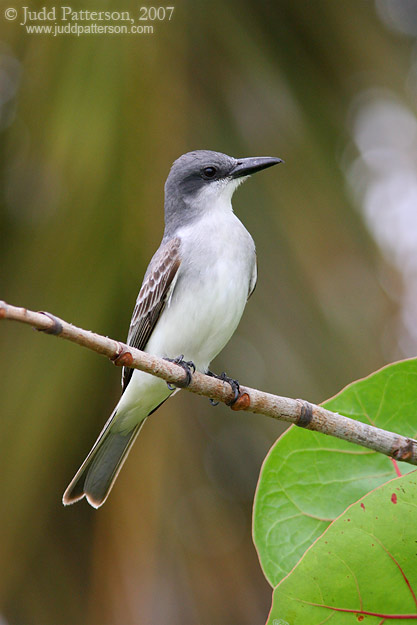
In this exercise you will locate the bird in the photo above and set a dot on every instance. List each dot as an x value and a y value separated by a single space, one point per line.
191 300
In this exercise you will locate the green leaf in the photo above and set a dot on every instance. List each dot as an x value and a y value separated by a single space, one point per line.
308 479
363 568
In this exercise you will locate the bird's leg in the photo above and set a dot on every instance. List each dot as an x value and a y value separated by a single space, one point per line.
233 383
188 367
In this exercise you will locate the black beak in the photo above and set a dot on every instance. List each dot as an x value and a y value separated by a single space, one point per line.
248 166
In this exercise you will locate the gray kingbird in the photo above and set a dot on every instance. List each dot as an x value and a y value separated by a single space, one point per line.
190 303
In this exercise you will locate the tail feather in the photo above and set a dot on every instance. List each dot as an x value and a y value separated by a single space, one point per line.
96 476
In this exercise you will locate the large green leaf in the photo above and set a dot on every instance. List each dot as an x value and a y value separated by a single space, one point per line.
308 479
363 568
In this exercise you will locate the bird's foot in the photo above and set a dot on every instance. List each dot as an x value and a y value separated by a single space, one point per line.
189 369
233 383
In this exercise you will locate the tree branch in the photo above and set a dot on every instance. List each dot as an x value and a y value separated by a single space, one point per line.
296 411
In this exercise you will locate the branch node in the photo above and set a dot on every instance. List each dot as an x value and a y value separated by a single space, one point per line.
123 357
306 414
403 450
56 329
242 402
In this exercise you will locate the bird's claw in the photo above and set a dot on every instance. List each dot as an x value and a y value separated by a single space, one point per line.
189 368
233 383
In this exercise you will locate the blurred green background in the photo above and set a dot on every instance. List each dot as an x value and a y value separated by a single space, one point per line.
89 128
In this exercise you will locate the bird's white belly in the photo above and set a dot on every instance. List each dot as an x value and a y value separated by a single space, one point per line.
201 316
197 322
211 292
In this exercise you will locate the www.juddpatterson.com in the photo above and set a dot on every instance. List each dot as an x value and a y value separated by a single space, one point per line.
64 20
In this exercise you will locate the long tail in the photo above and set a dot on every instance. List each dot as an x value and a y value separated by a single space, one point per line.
97 474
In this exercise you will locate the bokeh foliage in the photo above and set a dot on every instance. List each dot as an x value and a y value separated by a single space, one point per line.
90 126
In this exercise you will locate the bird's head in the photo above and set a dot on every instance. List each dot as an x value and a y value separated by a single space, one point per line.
203 180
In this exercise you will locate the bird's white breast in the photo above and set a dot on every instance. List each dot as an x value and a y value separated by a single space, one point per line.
211 290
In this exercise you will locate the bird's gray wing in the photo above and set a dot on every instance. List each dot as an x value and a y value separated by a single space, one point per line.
254 279
156 289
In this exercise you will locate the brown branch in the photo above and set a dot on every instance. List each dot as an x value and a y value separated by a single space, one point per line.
296 411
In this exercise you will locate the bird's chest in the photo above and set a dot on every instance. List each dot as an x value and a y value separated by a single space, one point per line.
220 262
212 290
